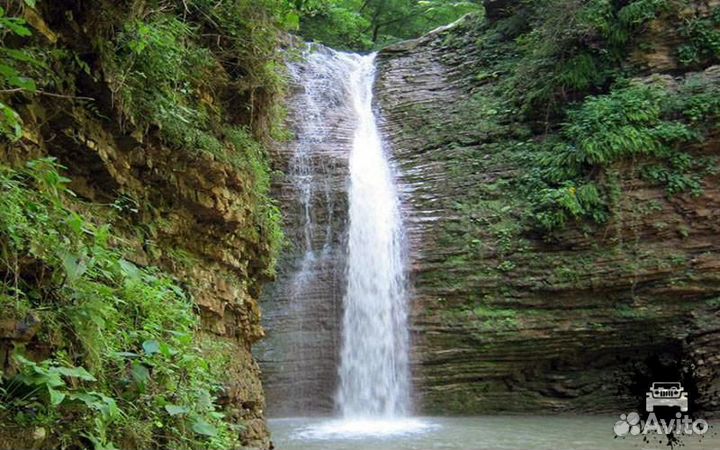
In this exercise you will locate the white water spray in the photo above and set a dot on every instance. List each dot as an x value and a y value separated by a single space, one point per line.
374 373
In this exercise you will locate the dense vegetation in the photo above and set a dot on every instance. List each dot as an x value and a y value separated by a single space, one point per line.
601 116
572 110
107 353
123 366
372 24
560 98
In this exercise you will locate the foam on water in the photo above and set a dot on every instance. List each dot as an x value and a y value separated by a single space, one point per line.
363 428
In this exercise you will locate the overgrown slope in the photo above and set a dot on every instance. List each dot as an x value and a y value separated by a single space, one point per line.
135 224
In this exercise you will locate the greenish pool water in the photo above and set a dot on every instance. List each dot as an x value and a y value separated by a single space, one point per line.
472 433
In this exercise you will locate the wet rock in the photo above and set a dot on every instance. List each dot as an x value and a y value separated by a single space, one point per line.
302 308
563 326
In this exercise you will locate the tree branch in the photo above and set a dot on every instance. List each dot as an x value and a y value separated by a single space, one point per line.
48 94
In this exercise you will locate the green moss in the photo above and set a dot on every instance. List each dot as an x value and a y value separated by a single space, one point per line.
482 318
713 302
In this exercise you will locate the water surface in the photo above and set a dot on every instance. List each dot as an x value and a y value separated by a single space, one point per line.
471 433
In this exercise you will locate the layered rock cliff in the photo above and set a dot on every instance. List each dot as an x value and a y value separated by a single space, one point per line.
302 309
511 316
186 199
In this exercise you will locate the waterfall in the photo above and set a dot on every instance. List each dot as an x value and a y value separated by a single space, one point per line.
373 369
338 168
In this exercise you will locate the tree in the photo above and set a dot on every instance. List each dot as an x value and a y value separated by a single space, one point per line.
366 24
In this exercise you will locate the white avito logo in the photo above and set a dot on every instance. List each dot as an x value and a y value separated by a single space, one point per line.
628 423
661 394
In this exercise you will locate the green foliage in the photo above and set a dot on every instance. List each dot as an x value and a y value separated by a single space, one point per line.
255 161
555 206
697 102
484 317
640 12
157 74
628 123
575 47
335 26
11 79
703 40
558 103
367 24
251 156
169 69
165 77
676 176
243 35
54 386
625 123
125 363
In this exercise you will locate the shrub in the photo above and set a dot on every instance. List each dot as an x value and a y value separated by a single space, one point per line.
632 121
11 77
575 48
703 40
627 122
159 68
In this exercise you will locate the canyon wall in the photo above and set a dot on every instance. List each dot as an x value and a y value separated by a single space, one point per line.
510 319
172 204
507 316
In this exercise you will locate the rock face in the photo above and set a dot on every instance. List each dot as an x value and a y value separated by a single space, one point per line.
195 230
526 324
303 307
186 212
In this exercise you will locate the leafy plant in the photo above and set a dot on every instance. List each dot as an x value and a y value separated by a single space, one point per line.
122 337
630 122
625 123
364 25
159 70
703 40
575 48
11 79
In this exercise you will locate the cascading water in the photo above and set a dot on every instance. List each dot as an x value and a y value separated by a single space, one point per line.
374 377
373 370
334 121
